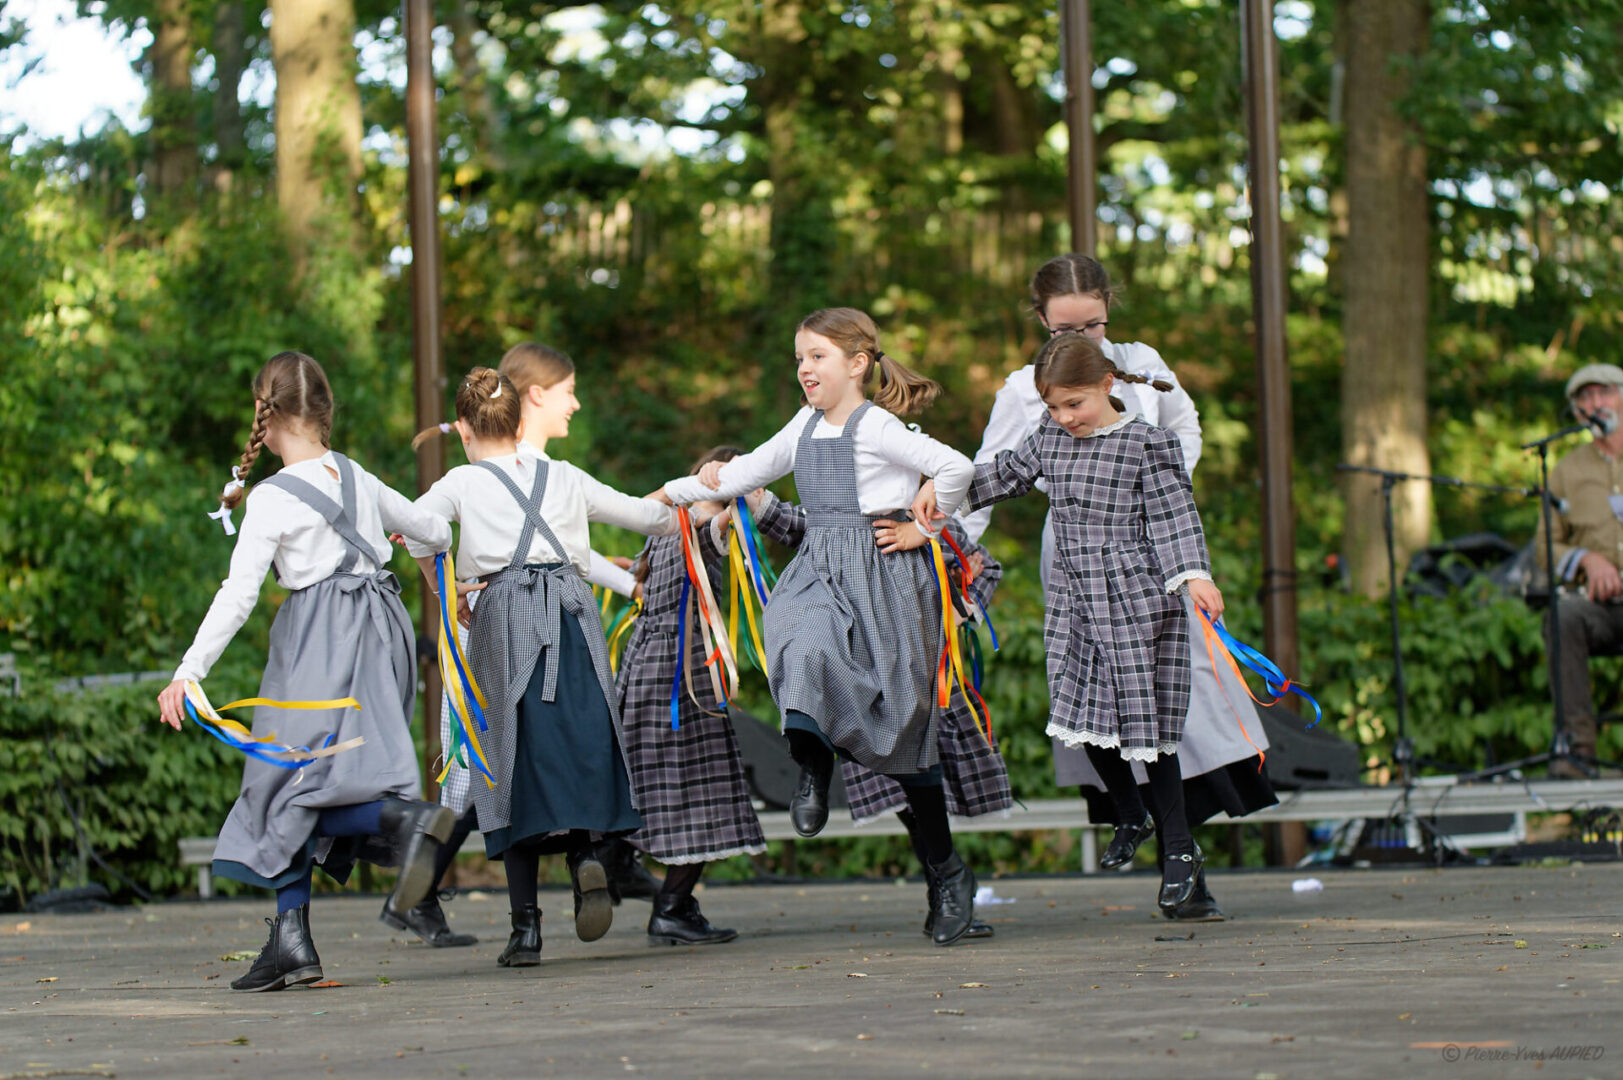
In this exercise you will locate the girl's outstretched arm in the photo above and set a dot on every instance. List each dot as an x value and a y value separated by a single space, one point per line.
1171 520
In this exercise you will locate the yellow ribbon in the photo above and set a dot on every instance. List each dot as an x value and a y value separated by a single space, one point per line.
206 710
951 660
740 589
454 670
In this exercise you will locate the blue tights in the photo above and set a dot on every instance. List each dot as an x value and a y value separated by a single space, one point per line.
363 819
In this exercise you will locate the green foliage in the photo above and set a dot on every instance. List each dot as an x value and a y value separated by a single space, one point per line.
135 787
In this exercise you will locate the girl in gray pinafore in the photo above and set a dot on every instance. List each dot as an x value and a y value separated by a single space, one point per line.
537 651
853 634
342 632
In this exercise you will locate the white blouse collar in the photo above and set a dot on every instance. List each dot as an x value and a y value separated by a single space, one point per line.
1126 419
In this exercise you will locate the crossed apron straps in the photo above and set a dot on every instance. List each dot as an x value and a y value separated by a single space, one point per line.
533 522
341 518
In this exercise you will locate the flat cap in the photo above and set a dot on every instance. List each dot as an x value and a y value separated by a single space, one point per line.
1604 374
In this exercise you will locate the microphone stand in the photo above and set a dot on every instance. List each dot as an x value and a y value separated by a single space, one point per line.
1403 751
1560 738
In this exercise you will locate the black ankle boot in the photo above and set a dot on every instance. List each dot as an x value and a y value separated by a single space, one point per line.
628 877
427 920
977 929
524 944
594 911
1176 890
677 920
808 808
417 830
1201 905
288 958
1124 845
953 901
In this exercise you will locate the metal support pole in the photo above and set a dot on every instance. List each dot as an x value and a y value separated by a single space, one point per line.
1082 167
422 182
1268 300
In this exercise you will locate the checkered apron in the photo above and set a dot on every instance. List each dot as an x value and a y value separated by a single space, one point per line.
973 774
1124 522
851 637
520 616
689 783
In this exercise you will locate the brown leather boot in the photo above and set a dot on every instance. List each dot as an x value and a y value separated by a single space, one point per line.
1584 734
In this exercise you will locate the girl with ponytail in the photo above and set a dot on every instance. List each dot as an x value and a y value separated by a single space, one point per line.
851 636
537 651
322 523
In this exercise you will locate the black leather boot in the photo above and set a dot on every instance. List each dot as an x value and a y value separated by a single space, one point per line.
953 902
677 920
594 911
1176 890
1201 905
524 944
417 829
1124 845
427 921
808 807
628 877
288 958
977 929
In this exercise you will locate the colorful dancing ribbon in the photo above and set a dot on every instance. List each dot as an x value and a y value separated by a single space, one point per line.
761 573
619 632
461 690
710 628
265 747
1238 653
951 657
970 597
743 591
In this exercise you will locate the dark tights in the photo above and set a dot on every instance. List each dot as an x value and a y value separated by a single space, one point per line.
1165 791
523 862
680 880
362 819
459 836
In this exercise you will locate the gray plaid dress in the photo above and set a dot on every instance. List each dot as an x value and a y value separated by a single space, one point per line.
851 639
972 770
689 783
1125 527
538 653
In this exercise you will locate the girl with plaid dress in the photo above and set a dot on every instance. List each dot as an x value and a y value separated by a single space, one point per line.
973 774
1223 735
537 651
1128 545
689 780
852 633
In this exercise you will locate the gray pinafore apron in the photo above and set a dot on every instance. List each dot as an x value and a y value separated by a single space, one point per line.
538 653
347 635
853 634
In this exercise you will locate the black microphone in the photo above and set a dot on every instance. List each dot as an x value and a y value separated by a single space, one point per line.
1602 422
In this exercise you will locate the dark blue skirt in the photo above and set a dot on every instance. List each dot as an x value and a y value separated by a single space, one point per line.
568 773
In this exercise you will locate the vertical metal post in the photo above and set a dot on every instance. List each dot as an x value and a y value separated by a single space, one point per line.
422 184
1261 59
1082 167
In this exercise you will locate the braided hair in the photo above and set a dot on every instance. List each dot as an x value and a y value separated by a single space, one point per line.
292 388
1074 359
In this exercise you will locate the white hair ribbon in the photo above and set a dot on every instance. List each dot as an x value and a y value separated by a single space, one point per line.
496 393
445 429
223 514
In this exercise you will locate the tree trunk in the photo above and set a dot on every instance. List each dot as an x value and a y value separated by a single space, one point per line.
229 62
1386 268
476 96
174 133
318 121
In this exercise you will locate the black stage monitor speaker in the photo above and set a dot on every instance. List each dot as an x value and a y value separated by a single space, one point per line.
771 772
1304 757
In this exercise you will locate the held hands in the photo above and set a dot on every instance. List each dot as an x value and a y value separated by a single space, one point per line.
659 496
464 610
924 507
1602 582
897 535
710 475
170 703
1206 597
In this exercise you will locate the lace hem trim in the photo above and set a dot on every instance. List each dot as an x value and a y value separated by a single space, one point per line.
709 856
1187 576
1074 739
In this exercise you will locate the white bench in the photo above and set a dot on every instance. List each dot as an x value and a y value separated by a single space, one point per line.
1438 796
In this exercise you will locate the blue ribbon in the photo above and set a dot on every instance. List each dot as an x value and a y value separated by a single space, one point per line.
751 549
681 657
254 750
460 740
1273 678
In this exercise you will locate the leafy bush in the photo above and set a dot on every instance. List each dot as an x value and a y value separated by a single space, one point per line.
135 787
